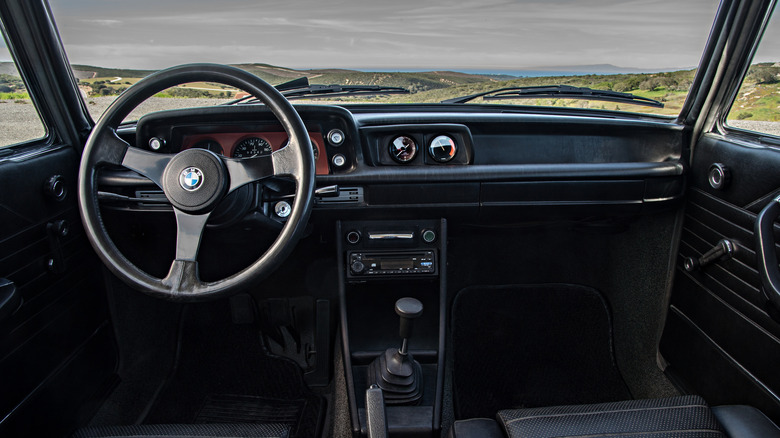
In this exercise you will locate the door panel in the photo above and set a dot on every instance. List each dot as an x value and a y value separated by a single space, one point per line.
57 350
720 340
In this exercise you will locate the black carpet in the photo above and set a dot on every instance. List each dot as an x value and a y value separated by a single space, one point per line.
225 376
530 346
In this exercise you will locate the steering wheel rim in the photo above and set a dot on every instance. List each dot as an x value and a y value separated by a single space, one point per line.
105 147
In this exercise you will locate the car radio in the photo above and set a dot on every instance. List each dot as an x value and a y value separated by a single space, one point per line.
363 264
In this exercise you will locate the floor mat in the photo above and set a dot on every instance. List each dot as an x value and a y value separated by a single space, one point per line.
530 346
231 408
225 376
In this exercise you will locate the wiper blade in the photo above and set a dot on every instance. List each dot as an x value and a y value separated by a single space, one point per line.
300 89
317 91
558 91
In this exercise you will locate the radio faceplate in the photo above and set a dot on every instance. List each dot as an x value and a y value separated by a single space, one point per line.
391 263
391 249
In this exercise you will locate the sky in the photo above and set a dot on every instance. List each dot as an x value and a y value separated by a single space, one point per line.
393 35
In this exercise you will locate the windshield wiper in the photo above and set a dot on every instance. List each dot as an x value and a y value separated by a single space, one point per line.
558 91
300 89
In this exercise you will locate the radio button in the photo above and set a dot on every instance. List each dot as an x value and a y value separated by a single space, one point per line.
357 267
353 237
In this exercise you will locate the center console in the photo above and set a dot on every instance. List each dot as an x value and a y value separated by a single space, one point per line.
392 277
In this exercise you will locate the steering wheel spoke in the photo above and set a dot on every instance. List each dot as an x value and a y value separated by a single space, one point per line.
148 164
248 170
243 171
114 150
189 232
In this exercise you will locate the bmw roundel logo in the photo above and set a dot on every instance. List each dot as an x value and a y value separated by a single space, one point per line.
191 179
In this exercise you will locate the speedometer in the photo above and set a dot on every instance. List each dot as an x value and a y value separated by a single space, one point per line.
252 147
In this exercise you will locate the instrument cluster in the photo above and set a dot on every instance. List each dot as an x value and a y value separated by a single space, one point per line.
247 145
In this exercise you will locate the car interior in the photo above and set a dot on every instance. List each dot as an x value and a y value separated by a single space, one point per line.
406 270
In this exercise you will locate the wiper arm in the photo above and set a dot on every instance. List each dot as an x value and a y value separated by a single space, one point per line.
317 91
558 91
300 89
302 82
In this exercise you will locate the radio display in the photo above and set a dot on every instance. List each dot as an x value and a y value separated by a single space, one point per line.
396 264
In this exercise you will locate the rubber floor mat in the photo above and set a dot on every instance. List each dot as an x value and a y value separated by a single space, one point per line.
530 346
225 376
229 408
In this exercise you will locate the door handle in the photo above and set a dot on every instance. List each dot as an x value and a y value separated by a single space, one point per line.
765 251
10 299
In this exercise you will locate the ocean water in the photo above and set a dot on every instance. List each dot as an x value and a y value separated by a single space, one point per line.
522 73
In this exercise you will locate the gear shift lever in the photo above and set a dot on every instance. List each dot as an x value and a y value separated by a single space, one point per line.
408 309
395 371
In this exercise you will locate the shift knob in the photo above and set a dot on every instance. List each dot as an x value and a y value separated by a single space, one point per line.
408 309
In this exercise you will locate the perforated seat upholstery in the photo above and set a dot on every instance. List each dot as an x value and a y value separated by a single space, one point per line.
266 430
676 417
683 417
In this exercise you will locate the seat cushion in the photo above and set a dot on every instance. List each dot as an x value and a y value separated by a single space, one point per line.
678 417
267 430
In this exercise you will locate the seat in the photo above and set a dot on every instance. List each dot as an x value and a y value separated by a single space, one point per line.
675 417
244 430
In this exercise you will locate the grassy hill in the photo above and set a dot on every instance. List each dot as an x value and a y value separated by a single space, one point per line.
758 99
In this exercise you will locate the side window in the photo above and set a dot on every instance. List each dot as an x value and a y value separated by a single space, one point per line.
19 120
757 104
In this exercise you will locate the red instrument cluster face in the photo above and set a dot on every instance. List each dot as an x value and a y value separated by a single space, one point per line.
250 144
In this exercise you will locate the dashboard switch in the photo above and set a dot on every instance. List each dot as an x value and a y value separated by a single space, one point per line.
336 137
428 236
353 237
156 143
339 160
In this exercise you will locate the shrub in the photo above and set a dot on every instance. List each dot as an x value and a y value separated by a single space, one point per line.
744 115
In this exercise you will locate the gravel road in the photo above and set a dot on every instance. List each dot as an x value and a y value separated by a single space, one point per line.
19 120
765 127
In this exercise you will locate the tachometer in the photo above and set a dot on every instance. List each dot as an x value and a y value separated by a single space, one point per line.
252 147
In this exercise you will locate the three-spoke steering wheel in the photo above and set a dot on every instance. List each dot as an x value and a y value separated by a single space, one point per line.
195 181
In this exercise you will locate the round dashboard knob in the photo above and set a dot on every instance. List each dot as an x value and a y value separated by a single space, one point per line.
156 143
353 237
428 236
336 137
357 267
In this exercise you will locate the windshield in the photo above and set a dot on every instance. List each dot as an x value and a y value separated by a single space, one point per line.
437 50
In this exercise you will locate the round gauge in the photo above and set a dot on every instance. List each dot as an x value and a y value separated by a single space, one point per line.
403 149
443 148
251 147
211 145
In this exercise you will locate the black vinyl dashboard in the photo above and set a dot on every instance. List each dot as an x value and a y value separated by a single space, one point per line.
465 161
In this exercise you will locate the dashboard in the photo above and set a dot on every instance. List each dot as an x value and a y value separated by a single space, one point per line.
475 163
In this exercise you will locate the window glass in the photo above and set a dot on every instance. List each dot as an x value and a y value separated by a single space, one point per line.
757 105
436 50
19 120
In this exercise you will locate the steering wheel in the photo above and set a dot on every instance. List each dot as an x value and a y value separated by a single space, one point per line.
195 181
